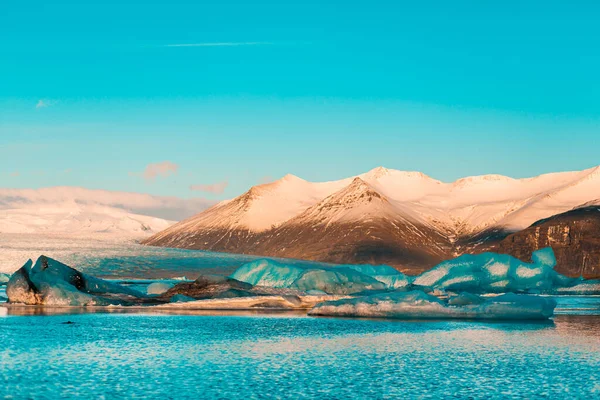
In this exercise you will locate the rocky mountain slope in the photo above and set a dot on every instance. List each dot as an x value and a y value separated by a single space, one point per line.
574 236
405 219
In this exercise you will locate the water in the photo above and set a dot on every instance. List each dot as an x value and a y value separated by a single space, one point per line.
274 356
53 353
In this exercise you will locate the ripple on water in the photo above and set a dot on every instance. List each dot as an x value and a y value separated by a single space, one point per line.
235 357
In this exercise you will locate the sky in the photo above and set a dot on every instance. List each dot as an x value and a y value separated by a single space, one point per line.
205 99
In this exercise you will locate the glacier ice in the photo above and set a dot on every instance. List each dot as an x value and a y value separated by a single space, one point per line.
268 273
480 273
50 282
336 281
417 304
158 287
332 280
390 277
496 273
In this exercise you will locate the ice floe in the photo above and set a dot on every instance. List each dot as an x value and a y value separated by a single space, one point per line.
417 304
50 282
345 279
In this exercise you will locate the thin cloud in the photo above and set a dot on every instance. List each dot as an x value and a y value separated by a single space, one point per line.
43 103
154 170
215 188
15 174
220 44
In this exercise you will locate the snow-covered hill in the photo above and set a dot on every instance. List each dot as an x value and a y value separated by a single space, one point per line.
76 219
269 219
78 211
467 205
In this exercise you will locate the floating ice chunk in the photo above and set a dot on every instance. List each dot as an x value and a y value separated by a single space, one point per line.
180 298
582 288
158 287
495 273
50 282
333 280
20 289
303 302
336 281
390 277
464 299
419 305
268 273
544 257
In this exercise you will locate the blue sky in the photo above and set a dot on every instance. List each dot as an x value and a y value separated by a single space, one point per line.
100 94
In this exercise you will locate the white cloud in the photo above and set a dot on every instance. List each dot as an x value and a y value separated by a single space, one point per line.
216 188
219 44
162 169
43 103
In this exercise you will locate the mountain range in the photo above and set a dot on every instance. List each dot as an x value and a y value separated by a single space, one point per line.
87 212
405 219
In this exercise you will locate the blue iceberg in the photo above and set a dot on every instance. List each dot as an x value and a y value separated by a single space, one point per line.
496 273
331 280
417 304
268 273
50 282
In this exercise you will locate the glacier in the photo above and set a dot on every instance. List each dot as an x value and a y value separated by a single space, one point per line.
50 282
417 304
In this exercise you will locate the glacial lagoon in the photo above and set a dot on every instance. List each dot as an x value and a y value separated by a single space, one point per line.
121 352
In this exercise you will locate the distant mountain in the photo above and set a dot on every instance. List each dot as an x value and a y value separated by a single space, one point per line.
79 211
164 207
80 220
405 219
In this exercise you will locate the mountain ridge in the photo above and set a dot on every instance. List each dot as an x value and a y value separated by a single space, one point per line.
400 210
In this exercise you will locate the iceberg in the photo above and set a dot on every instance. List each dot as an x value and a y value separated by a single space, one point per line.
50 282
332 280
268 273
496 273
417 304
582 287
390 277
4 278
158 288
480 273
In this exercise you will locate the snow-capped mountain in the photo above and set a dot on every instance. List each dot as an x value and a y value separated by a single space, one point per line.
74 219
79 211
380 215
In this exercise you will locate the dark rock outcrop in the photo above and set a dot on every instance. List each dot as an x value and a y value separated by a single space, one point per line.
574 236
210 287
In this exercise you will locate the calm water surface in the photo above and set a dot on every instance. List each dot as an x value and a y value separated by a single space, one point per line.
111 355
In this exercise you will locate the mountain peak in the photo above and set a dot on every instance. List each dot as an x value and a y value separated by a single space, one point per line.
377 172
380 172
357 192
